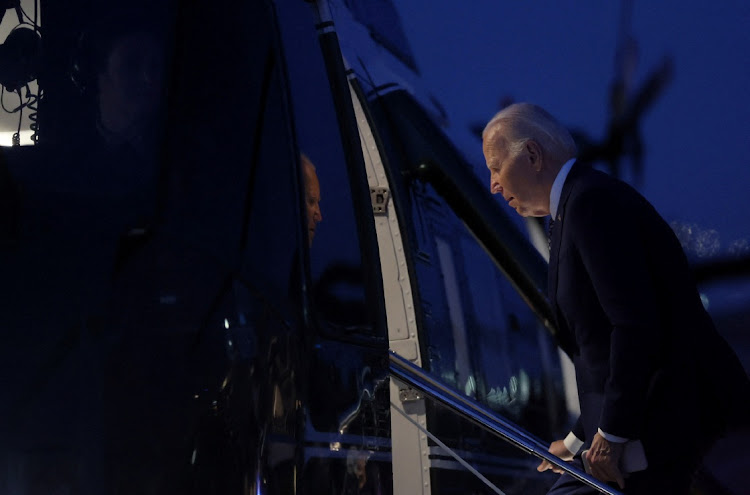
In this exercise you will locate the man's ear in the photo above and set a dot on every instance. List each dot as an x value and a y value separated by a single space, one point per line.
535 154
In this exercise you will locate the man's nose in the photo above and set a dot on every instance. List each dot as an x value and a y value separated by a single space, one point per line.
318 214
495 188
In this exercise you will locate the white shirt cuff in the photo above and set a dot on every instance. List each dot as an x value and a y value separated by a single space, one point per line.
612 438
573 443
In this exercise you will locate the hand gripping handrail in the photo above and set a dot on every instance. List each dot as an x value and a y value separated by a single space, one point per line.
414 376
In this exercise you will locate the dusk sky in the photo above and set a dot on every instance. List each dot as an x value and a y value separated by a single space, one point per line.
562 56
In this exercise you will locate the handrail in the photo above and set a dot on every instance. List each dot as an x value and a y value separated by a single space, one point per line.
416 377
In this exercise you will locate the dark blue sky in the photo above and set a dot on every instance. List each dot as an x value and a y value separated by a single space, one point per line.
561 56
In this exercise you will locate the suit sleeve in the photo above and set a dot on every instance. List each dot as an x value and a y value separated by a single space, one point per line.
607 228
577 430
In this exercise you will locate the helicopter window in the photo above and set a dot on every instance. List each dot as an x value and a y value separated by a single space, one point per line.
480 335
477 332
339 291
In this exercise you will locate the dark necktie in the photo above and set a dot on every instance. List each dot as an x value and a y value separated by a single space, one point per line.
549 232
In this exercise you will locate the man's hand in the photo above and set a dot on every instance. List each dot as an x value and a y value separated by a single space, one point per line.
604 460
559 449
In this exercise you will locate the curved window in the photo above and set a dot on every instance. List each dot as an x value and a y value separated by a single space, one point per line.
477 331
339 290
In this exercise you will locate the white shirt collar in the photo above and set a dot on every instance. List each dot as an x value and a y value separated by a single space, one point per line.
557 186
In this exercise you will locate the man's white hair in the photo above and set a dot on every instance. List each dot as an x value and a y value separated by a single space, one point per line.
521 122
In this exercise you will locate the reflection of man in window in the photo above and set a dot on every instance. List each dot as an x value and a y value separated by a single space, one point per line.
312 197
313 217
119 68
129 83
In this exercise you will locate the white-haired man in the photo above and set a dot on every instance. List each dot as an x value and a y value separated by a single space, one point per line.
647 357
313 213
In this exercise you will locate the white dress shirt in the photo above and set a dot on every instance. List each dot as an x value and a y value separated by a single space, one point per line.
557 187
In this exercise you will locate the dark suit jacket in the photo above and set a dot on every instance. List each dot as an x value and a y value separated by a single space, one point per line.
649 362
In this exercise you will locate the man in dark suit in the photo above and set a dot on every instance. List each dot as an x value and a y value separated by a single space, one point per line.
656 383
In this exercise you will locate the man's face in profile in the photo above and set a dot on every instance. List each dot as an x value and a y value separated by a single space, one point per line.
312 197
517 176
